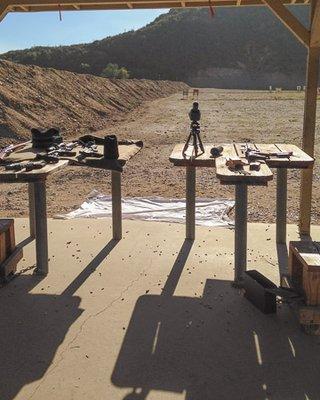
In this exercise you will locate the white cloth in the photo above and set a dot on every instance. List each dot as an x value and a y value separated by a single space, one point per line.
208 212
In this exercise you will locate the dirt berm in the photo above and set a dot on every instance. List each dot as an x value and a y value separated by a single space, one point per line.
31 96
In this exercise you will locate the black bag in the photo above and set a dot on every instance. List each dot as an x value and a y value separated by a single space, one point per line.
45 139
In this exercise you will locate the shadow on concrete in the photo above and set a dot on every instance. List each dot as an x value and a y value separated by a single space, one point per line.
215 347
32 328
90 268
282 253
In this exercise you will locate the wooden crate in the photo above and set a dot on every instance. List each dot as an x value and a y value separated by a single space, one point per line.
304 270
10 255
309 318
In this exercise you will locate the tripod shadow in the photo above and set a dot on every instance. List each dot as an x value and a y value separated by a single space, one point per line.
215 347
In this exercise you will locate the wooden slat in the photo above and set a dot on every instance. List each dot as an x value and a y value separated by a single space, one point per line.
3 247
299 158
205 160
315 27
290 21
227 176
31 176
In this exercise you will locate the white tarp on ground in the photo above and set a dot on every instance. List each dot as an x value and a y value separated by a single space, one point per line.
208 212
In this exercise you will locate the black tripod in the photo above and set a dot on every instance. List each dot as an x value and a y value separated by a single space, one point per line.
195 116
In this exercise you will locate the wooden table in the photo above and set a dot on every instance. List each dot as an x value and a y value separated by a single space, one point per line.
299 159
36 180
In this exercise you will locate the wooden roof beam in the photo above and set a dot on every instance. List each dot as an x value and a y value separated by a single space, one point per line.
315 27
290 21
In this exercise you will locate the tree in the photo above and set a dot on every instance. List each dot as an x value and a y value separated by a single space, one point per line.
113 71
84 66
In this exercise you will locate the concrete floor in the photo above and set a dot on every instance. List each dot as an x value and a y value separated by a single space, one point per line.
151 317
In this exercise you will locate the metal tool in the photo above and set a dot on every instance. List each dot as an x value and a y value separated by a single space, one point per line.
63 149
89 149
255 154
194 134
28 166
7 150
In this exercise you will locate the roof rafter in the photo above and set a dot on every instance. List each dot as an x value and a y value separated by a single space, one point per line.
290 21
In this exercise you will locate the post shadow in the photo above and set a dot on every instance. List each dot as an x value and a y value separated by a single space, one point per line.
90 268
176 271
282 254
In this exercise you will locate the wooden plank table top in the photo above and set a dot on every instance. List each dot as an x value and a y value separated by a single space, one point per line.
27 154
229 176
299 159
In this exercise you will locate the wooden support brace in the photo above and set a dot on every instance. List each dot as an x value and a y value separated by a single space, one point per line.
3 10
290 21
315 27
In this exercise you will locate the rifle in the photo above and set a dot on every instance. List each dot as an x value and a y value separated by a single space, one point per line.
7 150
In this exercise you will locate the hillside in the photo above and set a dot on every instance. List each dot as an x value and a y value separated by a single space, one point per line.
239 48
76 103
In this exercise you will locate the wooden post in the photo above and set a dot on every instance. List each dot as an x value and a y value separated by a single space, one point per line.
309 125
116 205
281 228
32 210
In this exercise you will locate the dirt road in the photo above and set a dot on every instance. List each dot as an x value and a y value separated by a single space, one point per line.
226 116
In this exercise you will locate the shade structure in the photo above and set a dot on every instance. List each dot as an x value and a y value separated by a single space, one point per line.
72 5
308 36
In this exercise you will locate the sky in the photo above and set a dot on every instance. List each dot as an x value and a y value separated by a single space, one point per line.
23 30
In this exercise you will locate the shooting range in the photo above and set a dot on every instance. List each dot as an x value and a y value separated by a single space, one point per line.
133 310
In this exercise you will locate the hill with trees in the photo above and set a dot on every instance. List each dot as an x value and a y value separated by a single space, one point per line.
243 47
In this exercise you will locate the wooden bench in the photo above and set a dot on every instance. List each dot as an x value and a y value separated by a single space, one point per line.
10 255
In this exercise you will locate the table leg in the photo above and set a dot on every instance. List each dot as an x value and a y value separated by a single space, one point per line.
190 202
32 223
240 252
281 205
40 201
116 205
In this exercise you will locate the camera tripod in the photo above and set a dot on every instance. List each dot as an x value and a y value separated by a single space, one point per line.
194 135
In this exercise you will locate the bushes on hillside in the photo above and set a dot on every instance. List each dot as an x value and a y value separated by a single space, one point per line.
113 71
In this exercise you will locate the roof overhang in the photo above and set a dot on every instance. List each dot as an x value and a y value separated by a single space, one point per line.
74 5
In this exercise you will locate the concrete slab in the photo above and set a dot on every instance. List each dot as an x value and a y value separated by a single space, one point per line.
150 317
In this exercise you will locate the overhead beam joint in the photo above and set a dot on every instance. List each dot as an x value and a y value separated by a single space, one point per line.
290 21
